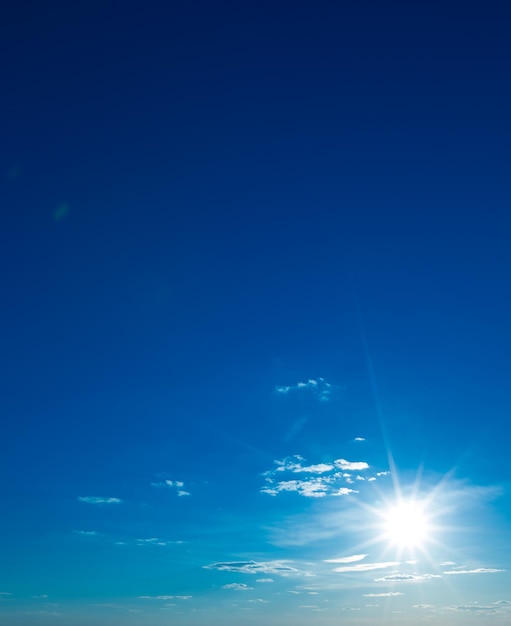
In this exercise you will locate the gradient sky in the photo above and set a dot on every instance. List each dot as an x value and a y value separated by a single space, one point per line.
255 291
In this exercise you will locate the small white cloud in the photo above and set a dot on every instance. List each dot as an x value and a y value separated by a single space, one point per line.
85 533
366 567
320 468
319 387
347 559
264 580
387 594
313 488
359 439
343 491
99 500
237 587
41 596
350 465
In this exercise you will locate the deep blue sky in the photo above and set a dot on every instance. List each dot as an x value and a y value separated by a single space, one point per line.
204 205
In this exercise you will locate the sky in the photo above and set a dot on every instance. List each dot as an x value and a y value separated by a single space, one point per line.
255 313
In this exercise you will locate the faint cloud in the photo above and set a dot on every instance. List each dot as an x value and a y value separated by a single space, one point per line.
264 580
474 608
297 426
237 587
253 567
85 533
99 500
387 594
164 597
395 578
365 567
359 439
319 387
479 570
177 485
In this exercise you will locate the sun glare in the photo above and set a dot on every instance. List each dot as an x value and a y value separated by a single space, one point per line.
406 524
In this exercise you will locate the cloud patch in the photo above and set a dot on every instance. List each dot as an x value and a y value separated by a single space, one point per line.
319 387
99 500
237 587
317 480
280 568
176 485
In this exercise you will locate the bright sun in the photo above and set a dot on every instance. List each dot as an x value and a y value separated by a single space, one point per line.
406 524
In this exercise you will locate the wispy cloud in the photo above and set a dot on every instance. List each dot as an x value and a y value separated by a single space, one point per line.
396 578
478 570
154 541
359 439
177 485
164 597
99 500
237 587
254 567
386 594
474 608
347 559
319 387
86 533
366 567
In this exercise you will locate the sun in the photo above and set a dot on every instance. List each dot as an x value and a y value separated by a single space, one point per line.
406 524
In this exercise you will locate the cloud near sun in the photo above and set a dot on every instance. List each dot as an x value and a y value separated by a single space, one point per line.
316 480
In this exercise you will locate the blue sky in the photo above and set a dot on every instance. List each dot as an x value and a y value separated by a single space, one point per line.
255 314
